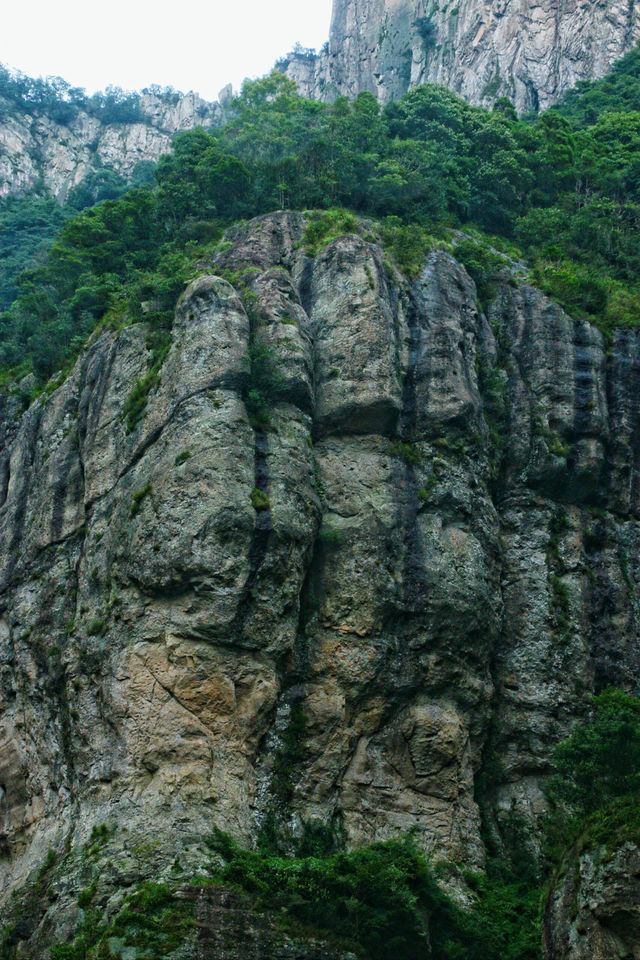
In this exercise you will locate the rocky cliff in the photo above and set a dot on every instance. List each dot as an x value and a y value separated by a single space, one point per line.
593 910
531 51
38 153
377 607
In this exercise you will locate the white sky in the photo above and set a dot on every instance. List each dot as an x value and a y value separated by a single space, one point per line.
186 44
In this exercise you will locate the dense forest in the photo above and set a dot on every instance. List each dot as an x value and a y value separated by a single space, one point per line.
560 191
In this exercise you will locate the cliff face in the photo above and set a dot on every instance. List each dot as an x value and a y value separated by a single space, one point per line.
183 602
531 52
593 912
38 153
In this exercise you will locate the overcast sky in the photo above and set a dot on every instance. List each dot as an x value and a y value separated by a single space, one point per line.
187 44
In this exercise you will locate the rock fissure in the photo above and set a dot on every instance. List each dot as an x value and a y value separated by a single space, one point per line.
531 53
376 643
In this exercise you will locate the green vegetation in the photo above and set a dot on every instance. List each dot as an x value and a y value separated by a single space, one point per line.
27 227
408 243
100 833
330 537
425 492
616 823
29 223
138 499
564 186
85 897
152 923
562 189
618 92
427 31
407 452
324 227
384 902
596 788
264 384
493 382
25 909
289 753
483 265
62 103
600 762
260 501
136 403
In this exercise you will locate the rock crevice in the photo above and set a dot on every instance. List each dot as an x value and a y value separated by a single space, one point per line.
422 603
531 52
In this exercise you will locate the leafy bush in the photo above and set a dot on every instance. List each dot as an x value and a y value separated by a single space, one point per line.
265 384
259 500
619 90
427 31
425 492
152 923
613 825
600 761
483 265
138 499
385 902
409 244
407 452
28 225
326 227
136 403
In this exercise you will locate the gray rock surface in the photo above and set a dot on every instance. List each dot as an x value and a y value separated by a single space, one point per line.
38 153
445 567
531 51
593 910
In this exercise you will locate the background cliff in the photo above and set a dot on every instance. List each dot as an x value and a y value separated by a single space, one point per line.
52 136
530 52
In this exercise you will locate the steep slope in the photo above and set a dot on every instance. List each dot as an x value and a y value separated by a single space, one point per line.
40 152
377 603
531 52
593 908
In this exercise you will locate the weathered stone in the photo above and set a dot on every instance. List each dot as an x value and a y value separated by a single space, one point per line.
531 52
36 151
593 909
436 594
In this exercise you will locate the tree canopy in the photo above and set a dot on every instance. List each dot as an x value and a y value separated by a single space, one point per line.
564 187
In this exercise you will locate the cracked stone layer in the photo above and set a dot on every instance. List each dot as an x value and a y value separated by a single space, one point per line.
593 908
36 152
531 51
157 632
